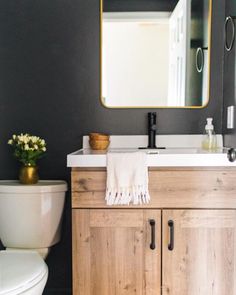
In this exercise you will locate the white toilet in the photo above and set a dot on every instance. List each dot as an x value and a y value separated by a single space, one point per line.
30 223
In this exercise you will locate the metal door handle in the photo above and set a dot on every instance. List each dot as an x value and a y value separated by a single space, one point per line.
200 56
231 154
171 227
229 20
152 223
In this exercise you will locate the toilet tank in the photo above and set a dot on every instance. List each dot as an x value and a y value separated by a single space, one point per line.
31 215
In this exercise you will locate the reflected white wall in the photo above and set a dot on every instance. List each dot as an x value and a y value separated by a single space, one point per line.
135 63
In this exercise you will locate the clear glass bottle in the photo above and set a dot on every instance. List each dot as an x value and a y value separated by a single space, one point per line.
209 141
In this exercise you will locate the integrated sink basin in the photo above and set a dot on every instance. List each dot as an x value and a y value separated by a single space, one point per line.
172 151
180 151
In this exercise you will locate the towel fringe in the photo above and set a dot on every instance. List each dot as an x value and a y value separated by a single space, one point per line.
136 195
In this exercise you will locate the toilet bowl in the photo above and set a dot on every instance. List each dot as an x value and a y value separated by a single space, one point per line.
30 223
22 272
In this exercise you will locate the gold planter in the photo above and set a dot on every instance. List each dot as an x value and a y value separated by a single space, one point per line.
28 175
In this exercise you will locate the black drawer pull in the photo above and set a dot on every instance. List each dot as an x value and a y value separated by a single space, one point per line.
171 227
152 223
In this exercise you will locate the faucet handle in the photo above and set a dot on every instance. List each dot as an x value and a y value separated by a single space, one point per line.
152 118
153 127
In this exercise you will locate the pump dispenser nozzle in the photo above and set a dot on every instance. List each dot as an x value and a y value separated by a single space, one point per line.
209 125
209 138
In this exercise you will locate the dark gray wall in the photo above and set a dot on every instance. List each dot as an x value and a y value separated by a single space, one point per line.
139 5
229 81
49 86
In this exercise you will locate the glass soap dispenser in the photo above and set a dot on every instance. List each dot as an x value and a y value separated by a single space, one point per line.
209 141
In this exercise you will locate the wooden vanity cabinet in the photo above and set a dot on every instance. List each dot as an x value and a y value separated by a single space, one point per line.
112 252
203 259
194 235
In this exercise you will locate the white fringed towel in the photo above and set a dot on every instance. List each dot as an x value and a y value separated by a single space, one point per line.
127 178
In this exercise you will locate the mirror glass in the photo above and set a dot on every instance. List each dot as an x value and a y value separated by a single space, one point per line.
155 53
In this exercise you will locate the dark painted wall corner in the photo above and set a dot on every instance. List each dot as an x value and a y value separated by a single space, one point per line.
229 81
49 86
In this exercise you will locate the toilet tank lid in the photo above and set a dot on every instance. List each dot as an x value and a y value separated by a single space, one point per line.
20 270
43 186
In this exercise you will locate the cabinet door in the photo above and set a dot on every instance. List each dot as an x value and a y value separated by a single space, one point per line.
112 254
203 258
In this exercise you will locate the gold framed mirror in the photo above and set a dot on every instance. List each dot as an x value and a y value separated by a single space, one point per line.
155 58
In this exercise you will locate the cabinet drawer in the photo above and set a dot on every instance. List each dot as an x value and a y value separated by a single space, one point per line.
168 189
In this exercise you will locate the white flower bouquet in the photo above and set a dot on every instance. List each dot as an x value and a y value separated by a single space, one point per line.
27 148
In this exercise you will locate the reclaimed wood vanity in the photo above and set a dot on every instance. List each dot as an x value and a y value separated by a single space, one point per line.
182 243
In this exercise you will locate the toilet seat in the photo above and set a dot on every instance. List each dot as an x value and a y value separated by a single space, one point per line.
20 271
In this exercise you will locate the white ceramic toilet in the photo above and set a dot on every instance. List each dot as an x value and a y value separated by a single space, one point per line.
30 223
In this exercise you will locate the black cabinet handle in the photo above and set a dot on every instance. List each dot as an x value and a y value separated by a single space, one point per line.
171 227
152 223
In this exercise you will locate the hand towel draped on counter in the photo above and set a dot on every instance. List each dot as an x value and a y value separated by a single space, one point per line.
127 178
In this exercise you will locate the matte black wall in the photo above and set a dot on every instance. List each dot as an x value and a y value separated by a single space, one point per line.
229 81
49 86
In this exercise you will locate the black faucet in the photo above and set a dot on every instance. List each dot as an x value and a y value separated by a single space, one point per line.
152 127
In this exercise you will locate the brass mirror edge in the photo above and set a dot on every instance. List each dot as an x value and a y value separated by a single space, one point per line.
158 107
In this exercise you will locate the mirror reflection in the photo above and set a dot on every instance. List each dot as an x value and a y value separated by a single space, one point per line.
155 53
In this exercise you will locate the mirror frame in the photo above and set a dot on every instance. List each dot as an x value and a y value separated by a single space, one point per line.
156 107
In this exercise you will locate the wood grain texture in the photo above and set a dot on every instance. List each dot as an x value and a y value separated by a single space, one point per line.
111 245
197 199
168 189
80 252
162 180
115 260
152 258
204 257
116 218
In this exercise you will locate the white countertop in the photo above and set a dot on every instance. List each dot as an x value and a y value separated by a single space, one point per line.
191 155
171 157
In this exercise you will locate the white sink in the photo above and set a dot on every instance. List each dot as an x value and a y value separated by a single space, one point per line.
190 155
173 151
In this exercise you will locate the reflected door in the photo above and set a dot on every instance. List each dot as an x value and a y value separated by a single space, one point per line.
179 53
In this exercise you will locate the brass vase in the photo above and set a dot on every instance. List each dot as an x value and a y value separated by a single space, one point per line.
28 175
